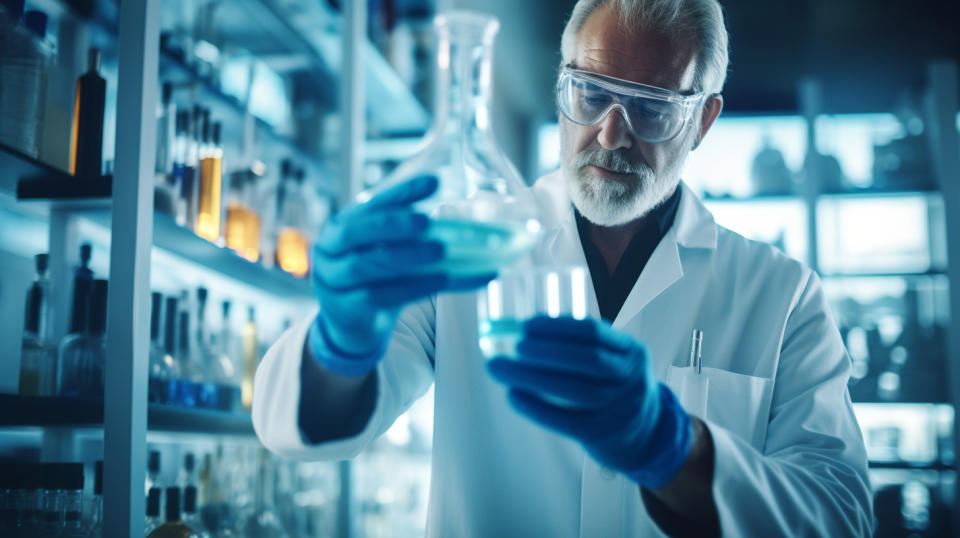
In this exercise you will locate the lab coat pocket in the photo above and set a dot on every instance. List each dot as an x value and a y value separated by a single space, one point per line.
736 402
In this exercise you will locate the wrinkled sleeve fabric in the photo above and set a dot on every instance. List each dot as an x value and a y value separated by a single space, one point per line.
403 375
811 477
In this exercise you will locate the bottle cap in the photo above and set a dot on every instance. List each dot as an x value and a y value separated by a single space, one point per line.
41 261
300 175
184 333
93 60
217 131
167 93
286 168
190 499
86 252
153 503
189 462
36 22
202 295
98 478
173 504
205 126
71 476
226 309
156 304
98 308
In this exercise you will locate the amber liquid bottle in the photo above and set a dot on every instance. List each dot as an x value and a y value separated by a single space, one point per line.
211 189
86 135
292 244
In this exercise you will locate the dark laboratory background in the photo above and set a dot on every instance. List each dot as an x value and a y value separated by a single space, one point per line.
829 148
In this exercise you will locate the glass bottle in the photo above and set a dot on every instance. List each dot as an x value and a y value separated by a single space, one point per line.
188 386
264 522
160 367
51 508
163 195
82 287
174 527
483 213
25 58
83 355
253 219
249 339
233 232
210 189
86 134
71 484
292 244
190 515
38 359
96 505
152 518
226 356
204 360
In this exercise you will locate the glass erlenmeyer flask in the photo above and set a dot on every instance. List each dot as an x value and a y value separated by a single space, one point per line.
483 212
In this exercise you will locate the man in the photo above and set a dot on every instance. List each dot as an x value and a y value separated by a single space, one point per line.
759 439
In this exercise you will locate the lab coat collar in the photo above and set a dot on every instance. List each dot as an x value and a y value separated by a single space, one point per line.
693 228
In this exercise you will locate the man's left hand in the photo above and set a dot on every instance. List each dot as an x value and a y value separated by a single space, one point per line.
590 382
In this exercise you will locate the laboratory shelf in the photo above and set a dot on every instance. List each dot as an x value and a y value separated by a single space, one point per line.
31 179
917 274
46 411
181 242
709 198
911 466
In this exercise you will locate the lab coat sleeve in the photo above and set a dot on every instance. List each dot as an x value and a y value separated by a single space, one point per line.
811 478
404 374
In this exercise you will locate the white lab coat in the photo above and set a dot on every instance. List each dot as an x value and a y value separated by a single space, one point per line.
789 455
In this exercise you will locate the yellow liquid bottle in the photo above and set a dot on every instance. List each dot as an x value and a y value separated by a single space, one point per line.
292 252
251 244
249 337
210 191
236 233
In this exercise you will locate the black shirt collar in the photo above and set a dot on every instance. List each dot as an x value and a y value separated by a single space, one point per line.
612 290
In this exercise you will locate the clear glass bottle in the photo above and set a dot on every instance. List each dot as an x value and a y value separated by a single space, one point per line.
71 484
96 504
152 518
25 59
211 189
152 480
51 508
83 356
160 367
174 527
483 213
249 339
190 515
226 356
264 522
191 376
292 244
205 359
38 358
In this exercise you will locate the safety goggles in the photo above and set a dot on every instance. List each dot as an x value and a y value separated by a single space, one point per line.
653 114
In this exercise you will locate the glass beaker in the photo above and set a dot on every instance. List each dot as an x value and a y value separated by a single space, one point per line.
483 212
521 293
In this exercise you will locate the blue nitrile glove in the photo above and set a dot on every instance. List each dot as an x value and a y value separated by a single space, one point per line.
612 403
369 262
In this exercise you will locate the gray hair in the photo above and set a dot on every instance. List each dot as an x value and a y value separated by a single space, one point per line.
704 18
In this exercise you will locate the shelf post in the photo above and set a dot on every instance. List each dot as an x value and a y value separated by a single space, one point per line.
945 146
352 99
128 310
811 103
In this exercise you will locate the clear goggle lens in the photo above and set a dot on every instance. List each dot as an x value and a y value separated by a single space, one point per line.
653 114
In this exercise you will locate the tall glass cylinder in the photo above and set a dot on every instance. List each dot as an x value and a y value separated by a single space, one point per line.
483 212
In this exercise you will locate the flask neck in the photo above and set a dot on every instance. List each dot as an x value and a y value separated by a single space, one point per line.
464 88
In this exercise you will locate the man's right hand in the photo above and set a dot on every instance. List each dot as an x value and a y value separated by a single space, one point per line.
369 262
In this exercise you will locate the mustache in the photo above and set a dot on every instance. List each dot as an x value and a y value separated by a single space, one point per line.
617 160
